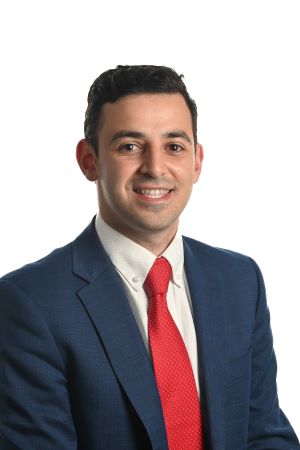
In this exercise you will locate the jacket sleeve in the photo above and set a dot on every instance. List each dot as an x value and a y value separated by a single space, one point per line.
269 429
35 410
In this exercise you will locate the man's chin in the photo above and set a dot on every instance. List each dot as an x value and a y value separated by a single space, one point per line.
147 226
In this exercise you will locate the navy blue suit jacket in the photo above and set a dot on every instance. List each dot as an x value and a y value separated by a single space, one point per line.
75 373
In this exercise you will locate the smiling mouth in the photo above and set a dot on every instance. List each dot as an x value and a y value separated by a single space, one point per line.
153 193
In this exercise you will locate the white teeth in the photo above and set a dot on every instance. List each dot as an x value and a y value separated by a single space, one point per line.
153 193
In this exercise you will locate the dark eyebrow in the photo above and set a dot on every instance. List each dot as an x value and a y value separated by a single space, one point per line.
178 134
127 133
138 135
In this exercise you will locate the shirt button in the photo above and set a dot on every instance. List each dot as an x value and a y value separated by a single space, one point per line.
177 276
136 279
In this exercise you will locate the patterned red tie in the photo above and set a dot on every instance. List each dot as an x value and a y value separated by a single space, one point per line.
173 371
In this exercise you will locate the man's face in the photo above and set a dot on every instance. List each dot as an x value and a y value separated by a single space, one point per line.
147 163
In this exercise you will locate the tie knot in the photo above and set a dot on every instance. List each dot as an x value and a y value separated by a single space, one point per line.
158 278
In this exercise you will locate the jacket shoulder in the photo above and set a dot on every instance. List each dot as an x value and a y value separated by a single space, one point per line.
51 265
213 252
223 261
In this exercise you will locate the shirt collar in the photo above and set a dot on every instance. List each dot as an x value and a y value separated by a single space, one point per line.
134 261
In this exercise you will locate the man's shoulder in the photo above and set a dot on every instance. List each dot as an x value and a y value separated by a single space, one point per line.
47 268
69 266
207 250
55 265
220 259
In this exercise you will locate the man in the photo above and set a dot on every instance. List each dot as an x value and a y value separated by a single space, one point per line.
132 337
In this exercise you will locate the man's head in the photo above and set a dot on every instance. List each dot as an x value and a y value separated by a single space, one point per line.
125 80
148 158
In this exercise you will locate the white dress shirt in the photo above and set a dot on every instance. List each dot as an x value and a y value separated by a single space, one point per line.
133 262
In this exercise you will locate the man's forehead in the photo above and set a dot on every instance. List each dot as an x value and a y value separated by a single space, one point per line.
145 97
144 107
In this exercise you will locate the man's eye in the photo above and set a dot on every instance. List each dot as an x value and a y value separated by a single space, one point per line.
128 147
175 148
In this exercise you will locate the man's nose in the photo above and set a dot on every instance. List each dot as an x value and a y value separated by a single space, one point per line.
153 163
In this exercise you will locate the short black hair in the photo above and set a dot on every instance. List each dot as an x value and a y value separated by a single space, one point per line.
125 80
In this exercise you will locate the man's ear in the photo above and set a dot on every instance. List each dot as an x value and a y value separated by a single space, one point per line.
86 158
198 162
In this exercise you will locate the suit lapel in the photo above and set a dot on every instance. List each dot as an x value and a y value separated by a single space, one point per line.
106 303
205 287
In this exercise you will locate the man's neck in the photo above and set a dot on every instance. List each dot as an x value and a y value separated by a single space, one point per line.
155 242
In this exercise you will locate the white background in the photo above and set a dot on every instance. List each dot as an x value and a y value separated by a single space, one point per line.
241 64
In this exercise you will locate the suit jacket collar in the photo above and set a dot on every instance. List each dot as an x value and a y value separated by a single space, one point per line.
106 303
89 257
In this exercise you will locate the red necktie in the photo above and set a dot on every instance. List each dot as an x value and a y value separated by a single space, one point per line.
173 371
